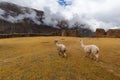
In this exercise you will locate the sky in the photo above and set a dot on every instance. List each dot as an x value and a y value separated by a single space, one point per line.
96 13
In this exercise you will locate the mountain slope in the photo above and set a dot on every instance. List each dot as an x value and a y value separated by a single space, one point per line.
18 19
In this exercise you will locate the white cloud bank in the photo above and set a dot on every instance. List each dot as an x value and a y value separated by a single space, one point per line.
97 13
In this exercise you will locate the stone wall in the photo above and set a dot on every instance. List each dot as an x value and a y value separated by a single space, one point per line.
100 33
72 33
113 33
110 33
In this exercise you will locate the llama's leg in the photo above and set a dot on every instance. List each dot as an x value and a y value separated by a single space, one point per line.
87 54
64 54
96 57
92 56
59 52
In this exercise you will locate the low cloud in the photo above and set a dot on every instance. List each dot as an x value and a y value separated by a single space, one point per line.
15 19
95 13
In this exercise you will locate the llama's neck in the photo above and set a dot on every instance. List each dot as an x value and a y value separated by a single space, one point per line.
57 44
82 45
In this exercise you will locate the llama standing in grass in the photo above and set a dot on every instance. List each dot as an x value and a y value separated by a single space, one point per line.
61 48
90 50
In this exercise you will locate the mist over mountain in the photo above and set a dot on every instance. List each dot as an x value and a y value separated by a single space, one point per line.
18 19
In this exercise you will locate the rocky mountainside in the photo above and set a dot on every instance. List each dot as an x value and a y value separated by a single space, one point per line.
15 19
18 19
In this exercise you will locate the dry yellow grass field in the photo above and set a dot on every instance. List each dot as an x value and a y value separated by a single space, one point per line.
36 58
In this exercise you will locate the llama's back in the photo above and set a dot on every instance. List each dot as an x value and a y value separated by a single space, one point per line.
95 49
91 48
62 47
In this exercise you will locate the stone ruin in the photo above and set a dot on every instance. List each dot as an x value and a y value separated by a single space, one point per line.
113 33
110 33
100 33
73 33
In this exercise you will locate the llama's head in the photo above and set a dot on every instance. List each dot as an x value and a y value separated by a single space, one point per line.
81 41
55 41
